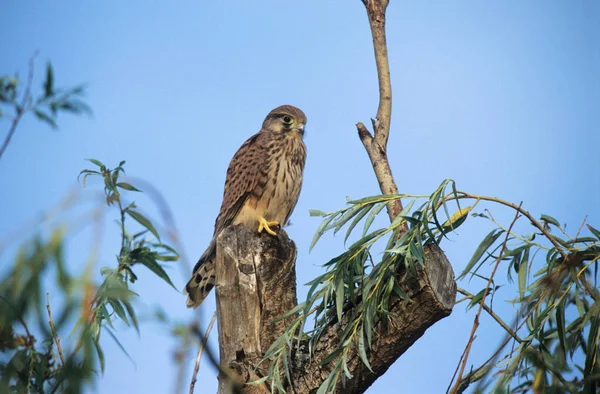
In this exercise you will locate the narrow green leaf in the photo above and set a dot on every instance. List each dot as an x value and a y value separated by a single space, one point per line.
581 240
403 215
120 345
127 186
357 219
400 293
372 216
156 268
96 162
295 310
560 325
324 388
361 349
316 212
591 361
141 219
320 230
100 355
132 315
49 83
349 214
594 231
119 310
45 118
550 219
522 278
375 199
481 249
478 297
339 297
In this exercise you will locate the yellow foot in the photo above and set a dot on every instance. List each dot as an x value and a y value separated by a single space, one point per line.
264 225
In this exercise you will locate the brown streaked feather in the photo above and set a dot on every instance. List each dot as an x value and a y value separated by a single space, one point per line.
263 180
246 167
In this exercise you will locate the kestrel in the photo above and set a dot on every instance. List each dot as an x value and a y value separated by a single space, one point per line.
261 188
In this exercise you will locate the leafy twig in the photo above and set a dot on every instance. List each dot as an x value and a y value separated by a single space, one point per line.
510 331
465 356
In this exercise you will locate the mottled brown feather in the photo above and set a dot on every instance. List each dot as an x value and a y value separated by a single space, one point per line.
264 179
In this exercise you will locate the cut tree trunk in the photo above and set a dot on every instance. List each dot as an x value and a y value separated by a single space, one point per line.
256 282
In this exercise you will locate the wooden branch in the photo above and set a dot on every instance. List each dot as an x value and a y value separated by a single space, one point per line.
256 283
53 329
465 356
376 146
432 292
199 355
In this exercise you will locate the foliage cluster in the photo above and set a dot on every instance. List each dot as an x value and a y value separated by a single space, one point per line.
33 359
552 337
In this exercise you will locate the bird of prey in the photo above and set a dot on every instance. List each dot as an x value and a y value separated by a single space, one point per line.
261 188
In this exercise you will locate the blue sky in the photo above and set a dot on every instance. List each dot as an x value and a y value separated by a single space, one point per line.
503 97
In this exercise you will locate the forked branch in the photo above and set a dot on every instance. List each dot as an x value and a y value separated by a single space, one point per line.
376 146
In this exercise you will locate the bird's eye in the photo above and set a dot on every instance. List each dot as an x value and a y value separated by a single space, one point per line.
287 119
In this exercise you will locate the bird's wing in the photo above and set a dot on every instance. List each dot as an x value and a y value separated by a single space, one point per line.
247 166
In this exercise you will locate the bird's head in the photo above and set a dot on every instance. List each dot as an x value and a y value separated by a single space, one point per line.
286 119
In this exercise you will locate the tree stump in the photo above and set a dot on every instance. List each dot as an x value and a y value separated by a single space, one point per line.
256 282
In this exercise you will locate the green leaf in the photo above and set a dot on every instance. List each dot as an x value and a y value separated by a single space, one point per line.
339 297
357 219
522 278
49 83
45 118
100 355
141 219
324 388
127 186
114 337
316 212
156 268
560 325
349 214
478 297
119 310
481 249
361 349
372 216
87 173
320 231
96 162
550 219
375 199
594 231
131 313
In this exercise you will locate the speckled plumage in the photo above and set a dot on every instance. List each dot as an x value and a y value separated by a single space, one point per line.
263 180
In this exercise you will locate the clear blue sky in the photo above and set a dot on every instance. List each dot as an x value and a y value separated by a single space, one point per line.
503 97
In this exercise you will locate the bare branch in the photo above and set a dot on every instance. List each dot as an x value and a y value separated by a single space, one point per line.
53 329
465 355
200 350
489 310
376 146
22 108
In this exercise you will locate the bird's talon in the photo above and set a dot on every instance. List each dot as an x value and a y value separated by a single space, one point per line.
263 224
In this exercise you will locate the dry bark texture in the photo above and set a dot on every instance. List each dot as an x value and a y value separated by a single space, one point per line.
256 282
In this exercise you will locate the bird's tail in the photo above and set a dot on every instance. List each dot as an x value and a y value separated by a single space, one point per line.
203 278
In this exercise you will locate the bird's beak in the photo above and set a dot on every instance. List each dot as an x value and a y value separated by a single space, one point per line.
300 129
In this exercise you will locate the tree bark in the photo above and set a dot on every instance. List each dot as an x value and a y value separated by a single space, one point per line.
256 282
